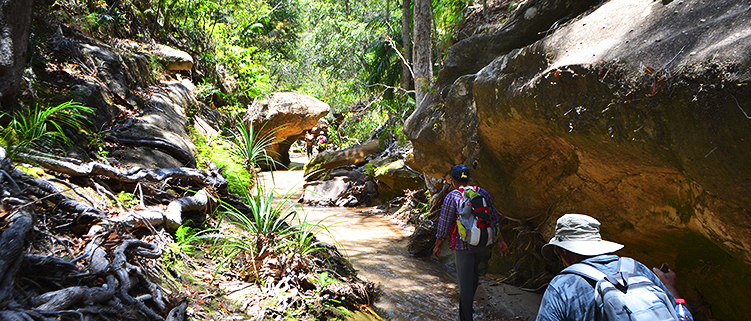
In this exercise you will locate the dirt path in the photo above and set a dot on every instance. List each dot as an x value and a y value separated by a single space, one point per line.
413 288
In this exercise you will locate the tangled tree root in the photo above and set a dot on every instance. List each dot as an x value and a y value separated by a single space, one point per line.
104 282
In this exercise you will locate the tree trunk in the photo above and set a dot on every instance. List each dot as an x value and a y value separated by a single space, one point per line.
406 82
15 23
423 65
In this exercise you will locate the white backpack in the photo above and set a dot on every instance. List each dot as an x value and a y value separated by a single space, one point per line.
625 295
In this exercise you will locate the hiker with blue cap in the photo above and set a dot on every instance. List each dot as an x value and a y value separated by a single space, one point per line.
472 224
598 285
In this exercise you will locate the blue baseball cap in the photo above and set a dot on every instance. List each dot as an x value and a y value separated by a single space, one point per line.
461 173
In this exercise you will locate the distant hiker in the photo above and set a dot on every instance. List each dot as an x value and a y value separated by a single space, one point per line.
309 141
322 141
467 257
571 294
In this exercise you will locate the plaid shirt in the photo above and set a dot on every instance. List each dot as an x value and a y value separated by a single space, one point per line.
447 221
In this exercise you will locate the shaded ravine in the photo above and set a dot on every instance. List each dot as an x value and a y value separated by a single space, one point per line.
412 288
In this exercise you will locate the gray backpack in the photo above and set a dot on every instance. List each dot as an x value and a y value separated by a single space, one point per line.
473 221
625 295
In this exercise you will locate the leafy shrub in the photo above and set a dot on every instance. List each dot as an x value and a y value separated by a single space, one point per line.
127 199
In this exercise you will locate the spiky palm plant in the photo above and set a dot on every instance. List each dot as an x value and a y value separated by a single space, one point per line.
252 146
251 237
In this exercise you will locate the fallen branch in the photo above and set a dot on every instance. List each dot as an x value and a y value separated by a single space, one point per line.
171 217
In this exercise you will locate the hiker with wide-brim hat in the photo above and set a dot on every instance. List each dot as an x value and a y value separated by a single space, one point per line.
577 239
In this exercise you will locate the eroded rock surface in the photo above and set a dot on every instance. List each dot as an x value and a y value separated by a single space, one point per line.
635 112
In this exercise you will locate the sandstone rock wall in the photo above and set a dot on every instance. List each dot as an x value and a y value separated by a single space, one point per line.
635 112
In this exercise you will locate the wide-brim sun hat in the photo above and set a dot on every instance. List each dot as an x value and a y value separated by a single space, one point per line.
580 234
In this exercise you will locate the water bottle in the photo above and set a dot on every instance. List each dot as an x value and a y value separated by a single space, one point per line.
682 311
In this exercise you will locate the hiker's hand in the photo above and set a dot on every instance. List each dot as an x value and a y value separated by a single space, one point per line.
670 280
437 249
503 247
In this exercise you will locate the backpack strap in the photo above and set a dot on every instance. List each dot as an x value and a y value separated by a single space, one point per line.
586 271
626 267
627 264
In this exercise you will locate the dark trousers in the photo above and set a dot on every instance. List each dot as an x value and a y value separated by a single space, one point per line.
468 273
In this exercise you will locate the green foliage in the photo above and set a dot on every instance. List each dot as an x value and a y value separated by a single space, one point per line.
370 169
96 144
127 199
269 217
218 152
324 279
248 236
302 240
449 15
422 207
156 66
37 127
385 66
185 236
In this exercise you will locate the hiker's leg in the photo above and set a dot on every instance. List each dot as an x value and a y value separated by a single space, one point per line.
465 262
481 254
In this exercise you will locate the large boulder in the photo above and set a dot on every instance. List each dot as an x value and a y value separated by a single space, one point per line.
15 25
160 132
635 112
324 193
288 115
173 59
395 178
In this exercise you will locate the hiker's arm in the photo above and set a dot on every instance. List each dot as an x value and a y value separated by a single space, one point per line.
445 222
670 280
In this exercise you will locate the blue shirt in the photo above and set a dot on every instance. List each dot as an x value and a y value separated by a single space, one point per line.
570 297
447 221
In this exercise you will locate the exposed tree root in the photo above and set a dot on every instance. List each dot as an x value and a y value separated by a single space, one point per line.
158 143
94 285
134 175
